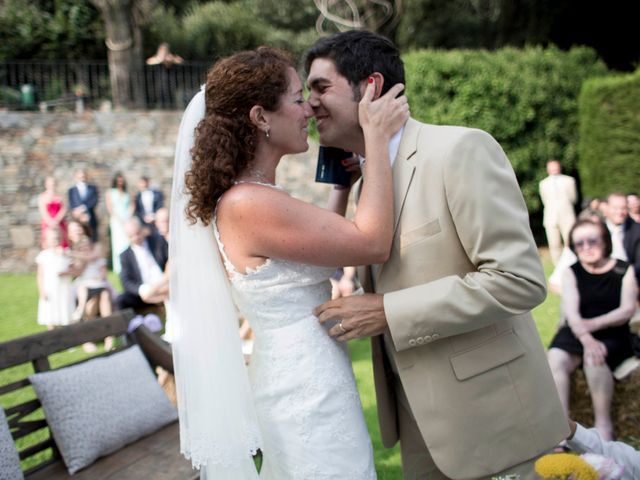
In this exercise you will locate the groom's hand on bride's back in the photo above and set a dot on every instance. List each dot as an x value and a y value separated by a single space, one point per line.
357 316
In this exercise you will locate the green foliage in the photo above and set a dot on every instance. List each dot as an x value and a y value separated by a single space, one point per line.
215 29
610 134
295 16
527 99
443 24
62 29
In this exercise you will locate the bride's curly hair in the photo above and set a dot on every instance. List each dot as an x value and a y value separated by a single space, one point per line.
225 139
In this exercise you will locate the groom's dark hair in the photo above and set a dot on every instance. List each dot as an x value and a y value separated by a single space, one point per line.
356 55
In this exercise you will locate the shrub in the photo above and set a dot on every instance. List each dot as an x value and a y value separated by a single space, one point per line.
526 98
216 29
610 134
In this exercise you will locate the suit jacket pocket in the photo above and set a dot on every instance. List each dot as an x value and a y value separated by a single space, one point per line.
419 233
498 351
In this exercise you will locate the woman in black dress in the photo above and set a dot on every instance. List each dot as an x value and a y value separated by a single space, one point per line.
598 299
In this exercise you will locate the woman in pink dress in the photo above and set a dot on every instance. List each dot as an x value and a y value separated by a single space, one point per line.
52 210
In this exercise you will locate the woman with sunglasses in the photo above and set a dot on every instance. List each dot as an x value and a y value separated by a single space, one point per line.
598 299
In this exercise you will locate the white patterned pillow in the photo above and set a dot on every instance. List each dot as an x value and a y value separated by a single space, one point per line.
9 460
101 405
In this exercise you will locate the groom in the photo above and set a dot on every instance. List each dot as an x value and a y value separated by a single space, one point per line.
461 376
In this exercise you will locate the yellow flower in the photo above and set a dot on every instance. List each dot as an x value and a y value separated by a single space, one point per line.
565 466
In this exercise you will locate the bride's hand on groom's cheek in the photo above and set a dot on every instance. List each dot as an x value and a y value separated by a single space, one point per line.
357 316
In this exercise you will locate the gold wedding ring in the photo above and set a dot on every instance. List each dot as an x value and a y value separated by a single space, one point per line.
342 328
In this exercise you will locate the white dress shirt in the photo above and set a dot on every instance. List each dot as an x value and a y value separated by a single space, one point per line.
147 201
394 146
82 189
150 271
617 241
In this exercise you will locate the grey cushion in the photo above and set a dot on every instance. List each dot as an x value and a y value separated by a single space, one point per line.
100 406
9 460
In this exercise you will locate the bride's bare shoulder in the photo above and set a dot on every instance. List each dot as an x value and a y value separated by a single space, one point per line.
248 198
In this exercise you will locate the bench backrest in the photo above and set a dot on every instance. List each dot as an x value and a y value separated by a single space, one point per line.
36 349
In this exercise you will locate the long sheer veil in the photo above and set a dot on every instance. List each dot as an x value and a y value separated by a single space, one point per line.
218 424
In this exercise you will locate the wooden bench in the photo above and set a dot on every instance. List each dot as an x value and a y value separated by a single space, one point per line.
156 456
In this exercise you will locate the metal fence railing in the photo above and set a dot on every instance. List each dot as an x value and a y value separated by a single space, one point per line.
26 84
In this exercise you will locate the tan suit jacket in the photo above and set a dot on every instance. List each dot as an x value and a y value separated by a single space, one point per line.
459 285
558 197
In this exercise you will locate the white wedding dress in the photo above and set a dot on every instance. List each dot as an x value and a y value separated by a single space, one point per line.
308 407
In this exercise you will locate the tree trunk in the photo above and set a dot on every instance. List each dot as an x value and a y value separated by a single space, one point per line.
124 43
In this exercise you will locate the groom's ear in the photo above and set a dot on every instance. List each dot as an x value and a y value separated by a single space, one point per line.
378 78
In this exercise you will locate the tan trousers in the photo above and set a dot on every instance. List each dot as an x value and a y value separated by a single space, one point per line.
557 237
417 463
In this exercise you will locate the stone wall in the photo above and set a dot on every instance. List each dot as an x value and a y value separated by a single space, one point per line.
34 145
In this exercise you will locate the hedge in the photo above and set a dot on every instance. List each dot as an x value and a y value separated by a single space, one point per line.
526 98
610 134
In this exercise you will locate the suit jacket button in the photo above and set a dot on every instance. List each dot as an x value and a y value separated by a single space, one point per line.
419 340
435 336
412 343
428 338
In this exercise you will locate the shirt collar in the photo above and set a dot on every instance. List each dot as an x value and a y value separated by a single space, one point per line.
394 146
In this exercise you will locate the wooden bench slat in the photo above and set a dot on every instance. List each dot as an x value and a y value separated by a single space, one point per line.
41 364
15 413
11 387
157 351
23 429
38 447
40 345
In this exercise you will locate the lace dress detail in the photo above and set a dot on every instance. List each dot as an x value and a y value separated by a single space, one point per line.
304 390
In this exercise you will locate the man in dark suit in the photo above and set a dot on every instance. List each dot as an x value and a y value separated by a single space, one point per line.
142 274
83 198
148 202
625 233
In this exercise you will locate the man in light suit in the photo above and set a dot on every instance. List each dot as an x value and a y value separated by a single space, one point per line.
83 198
462 379
559 196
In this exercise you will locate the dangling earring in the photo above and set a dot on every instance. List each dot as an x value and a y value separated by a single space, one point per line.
266 133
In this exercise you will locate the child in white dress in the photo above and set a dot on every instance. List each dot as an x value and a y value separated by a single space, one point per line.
54 282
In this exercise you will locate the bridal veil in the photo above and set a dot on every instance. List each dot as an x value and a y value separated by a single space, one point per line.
218 424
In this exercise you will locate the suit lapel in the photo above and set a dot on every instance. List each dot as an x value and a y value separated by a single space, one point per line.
403 170
134 265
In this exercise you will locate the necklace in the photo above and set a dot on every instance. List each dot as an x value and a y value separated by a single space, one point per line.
253 174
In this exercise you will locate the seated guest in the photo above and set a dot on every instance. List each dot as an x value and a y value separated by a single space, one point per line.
625 233
89 267
142 275
148 202
598 299
583 440
568 258
93 291
633 204
162 232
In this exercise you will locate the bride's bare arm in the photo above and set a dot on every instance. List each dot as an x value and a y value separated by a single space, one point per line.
259 221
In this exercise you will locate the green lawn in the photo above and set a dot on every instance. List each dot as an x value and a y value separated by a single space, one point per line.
18 307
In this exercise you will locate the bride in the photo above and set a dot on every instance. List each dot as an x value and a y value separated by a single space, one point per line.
240 241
